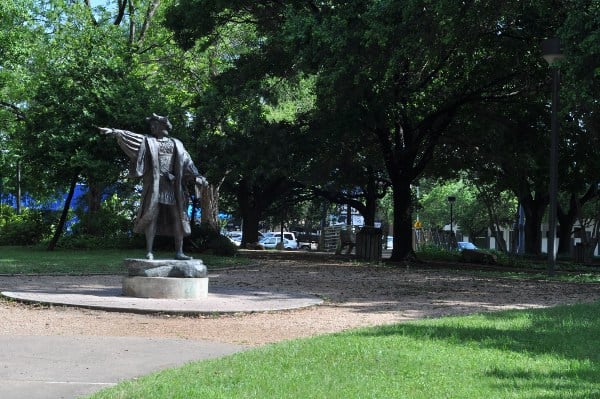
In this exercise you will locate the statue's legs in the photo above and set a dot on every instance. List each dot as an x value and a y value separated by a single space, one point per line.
150 232
178 234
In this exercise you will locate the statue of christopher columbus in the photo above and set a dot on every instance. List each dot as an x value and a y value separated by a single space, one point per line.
166 168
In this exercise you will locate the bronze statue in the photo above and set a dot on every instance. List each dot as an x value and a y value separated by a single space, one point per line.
165 168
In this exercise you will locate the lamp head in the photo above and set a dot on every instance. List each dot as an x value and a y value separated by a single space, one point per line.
551 50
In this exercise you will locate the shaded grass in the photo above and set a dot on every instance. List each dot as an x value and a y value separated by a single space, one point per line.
570 277
516 267
543 353
36 260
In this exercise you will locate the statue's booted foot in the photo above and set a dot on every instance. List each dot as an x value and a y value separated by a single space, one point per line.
182 256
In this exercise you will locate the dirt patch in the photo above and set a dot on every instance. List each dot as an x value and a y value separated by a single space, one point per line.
355 296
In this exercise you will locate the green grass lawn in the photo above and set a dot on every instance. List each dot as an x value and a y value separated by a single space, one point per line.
543 353
34 260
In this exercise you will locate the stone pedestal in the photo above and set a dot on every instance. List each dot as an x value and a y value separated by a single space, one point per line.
165 287
168 279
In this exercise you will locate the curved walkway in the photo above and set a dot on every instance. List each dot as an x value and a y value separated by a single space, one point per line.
104 292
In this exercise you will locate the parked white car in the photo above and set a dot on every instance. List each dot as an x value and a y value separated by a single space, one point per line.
271 243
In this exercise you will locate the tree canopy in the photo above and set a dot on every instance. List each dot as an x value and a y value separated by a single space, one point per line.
395 72
279 101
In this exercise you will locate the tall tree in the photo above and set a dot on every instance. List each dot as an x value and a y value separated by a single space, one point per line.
80 77
396 71
83 68
509 141
247 140
580 33
87 66
499 144
16 41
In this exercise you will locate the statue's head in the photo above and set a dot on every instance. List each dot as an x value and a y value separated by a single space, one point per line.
159 125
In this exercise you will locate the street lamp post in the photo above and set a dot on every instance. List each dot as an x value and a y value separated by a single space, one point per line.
18 186
451 200
551 52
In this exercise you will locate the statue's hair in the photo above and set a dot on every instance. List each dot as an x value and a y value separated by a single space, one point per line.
161 119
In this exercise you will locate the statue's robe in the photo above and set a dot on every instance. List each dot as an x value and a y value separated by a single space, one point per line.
143 152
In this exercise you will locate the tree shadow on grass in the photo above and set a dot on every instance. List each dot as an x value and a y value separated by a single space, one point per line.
570 332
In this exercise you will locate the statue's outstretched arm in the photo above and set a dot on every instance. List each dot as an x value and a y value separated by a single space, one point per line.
129 142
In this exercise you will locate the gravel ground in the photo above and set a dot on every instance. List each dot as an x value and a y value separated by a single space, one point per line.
355 296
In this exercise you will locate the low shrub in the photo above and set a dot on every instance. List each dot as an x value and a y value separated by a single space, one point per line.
436 253
28 228
86 241
204 239
102 223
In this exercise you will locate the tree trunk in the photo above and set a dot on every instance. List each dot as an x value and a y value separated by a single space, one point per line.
348 215
370 201
251 217
254 199
566 223
209 203
499 238
250 213
94 202
402 221
94 198
534 212
494 225
63 216
371 208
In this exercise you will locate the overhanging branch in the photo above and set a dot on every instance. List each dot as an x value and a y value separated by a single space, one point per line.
14 110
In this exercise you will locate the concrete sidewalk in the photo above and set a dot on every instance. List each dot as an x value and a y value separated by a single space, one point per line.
39 367
49 367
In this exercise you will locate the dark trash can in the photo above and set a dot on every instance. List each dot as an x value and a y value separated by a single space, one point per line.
584 252
368 244
579 252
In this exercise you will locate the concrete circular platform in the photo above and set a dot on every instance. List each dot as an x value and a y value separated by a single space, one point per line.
108 296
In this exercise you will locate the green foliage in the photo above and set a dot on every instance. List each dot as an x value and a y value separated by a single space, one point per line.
82 88
435 253
387 75
113 219
323 93
113 241
108 227
291 99
222 246
474 210
28 228
84 70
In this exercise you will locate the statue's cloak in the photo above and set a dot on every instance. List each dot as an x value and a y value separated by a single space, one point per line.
143 153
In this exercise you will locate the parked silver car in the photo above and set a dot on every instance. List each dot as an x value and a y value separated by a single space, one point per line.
287 235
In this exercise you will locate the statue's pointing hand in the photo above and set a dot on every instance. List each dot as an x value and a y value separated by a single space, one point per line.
201 181
106 130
